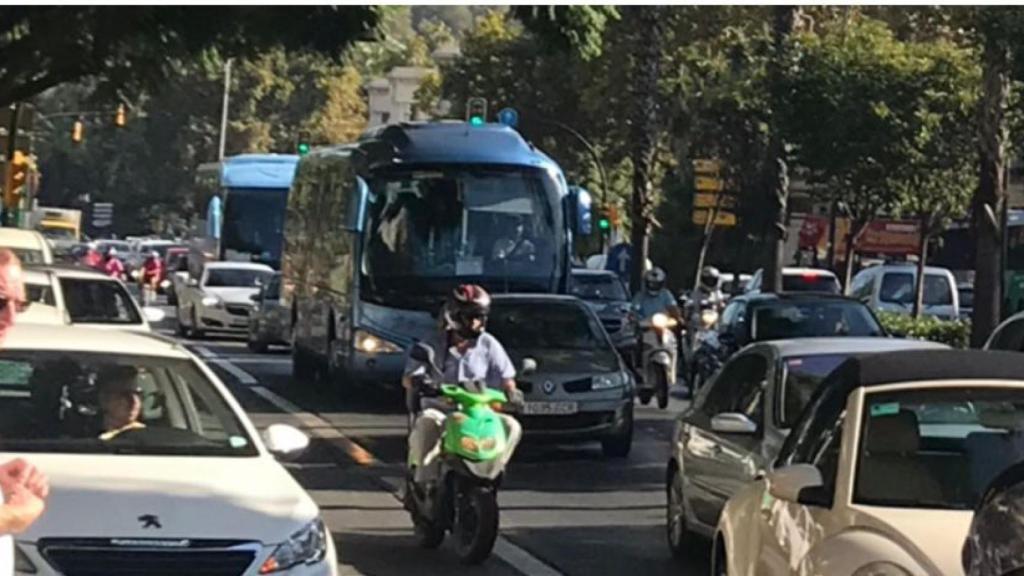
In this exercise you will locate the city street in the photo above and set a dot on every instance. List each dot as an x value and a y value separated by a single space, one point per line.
565 508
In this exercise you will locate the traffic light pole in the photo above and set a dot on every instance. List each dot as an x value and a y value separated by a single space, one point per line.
12 145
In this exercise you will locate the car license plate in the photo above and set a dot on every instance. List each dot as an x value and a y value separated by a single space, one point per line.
550 408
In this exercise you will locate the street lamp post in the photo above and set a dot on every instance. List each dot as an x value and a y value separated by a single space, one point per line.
224 110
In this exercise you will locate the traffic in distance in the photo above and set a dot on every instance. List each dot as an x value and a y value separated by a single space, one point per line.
393 345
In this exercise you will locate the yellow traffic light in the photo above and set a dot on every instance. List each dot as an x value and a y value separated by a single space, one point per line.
77 130
119 116
15 180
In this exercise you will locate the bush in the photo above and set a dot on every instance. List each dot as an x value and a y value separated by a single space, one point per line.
955 333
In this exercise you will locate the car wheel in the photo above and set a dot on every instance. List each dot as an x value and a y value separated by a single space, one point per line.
619 445
196 332
680 539
180 328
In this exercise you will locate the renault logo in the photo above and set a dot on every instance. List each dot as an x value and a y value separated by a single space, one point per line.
549 387
150 521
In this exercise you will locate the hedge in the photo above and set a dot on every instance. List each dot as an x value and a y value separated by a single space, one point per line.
956 333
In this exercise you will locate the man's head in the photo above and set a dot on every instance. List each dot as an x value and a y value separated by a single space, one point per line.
12 291
466 311
710 278
120 396
654 280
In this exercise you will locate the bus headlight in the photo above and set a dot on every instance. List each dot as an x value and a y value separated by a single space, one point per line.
371 344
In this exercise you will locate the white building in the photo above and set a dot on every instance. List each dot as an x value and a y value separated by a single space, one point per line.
391 98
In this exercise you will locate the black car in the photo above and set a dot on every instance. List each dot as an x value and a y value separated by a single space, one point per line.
760 317
608 297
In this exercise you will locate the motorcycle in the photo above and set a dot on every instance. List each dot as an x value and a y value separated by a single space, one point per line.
464 501
660 352
708 350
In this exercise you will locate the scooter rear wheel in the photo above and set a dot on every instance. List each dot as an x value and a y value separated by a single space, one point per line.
476 524
645 396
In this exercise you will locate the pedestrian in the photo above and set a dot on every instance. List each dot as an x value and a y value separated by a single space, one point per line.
92 258
23 487
152 273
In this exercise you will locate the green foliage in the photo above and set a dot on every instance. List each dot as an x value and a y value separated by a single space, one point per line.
579 29
955 333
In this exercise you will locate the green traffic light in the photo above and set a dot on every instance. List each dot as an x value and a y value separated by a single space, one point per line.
604 224
303 149
476 120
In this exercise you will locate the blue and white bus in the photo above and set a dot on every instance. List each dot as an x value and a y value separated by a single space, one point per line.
254 192
378 233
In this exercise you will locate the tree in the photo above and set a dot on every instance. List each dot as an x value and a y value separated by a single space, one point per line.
131 47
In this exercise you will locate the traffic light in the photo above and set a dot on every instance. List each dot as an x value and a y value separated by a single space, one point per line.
604 223
15 179
119 116
77 131
476 111
302 146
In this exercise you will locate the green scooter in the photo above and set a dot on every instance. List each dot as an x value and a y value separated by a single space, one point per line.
464 500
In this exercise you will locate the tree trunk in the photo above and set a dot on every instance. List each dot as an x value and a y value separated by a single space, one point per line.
991 193
776 174
857 226
645 69
922 257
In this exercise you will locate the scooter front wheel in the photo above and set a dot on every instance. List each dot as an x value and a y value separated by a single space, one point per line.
476 524
645 396
661 389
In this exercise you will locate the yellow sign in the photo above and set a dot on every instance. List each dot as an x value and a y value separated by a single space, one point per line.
723 218
708 184
704 166
706 200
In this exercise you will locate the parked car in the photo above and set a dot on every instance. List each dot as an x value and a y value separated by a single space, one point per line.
30 246
220 298
800 280
176 273
759 317
738 422
271 321
581 388
87 297
882 470
965 292
192 487
891 288
605 293
734 284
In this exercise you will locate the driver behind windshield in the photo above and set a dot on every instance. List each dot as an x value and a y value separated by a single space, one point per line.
120 401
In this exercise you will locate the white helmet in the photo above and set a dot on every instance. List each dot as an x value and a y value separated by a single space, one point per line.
112 251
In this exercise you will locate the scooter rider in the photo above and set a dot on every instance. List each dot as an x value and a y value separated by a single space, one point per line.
708 290
465 353
655 298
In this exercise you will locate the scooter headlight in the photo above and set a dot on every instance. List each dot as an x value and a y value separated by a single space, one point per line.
306 546
661 321
708 317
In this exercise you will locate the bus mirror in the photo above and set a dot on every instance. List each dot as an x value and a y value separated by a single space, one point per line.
579 207
355 211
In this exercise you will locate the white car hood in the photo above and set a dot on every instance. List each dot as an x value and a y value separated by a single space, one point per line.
232 295
103 496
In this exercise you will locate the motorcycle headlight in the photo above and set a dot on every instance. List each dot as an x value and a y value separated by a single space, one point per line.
371 344
211 301
307 546
708 318
881 569
606 382
660 321
22 564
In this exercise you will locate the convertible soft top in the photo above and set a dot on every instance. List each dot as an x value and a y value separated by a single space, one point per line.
923 365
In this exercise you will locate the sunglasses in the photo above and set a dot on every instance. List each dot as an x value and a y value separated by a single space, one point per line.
19 305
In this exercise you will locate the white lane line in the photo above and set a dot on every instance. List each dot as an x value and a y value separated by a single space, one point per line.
242 376
204 352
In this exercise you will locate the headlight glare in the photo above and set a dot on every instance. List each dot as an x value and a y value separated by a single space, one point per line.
372 344
606 382
211 301
307 546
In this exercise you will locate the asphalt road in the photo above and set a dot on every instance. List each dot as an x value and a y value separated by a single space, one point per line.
565 509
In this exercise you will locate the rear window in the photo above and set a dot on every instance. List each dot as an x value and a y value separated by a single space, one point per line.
598 287
236 277
898 288
810 282
98 302
782 320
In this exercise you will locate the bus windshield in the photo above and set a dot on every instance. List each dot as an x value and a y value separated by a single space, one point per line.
427 230
253 224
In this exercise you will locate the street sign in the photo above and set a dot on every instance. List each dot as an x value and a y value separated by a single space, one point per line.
704 166
509 117
709 184
710 200
723 218
102 214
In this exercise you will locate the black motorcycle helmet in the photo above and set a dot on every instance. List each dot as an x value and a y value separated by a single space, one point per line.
654 280
466 303
709 278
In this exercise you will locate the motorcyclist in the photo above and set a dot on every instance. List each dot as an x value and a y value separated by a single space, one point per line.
93 258
113 265
708 291
152 272
464 352
655 298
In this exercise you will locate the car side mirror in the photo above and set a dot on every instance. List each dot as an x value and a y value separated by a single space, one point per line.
285 442
800 483
529 367
733 423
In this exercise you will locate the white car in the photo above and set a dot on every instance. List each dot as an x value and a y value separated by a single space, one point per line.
881 474
220 299
84 297
30 246
891 288
190 488
799 280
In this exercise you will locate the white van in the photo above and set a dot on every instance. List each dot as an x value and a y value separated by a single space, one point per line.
30 246
890 288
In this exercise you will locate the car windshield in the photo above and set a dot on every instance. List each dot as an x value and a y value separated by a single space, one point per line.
800 378
98 302
562 337
254 224
898 288
113 403
29 255
786 319
810 282
937 448
236 278
430 230
605 287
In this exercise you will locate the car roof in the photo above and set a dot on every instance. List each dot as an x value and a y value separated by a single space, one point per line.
796 271
902 366
81 339
799 296
34 276
238 266
70 271
506 299
18 238
846 345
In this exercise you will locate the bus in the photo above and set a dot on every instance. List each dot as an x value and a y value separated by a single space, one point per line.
254 191
378 232
957 252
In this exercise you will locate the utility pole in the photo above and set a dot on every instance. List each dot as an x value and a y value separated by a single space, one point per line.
224 110
10 219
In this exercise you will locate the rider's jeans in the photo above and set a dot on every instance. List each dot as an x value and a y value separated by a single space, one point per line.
425 442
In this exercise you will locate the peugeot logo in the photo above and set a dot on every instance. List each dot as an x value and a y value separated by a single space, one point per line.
549 387
150 521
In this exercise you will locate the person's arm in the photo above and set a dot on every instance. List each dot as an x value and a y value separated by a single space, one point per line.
502 365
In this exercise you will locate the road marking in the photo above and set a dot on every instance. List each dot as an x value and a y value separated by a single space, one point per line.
205 352
242 376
